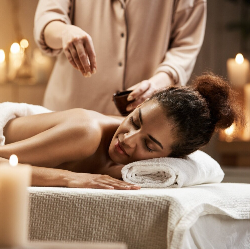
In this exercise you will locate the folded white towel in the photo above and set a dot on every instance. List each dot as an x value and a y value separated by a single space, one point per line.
196 168
9 110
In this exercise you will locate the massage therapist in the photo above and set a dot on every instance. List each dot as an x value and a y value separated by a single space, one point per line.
105 46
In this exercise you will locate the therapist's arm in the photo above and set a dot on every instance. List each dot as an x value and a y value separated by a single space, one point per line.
188 29
54 33
77 45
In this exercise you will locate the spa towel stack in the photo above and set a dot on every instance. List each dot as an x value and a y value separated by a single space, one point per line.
196 168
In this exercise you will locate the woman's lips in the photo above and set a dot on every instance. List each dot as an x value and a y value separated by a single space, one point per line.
120 149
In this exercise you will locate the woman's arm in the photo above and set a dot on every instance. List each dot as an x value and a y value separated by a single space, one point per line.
47 177
51 139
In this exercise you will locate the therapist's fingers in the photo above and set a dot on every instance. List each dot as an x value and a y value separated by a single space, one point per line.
89 48
144 91
140 100
138 90
83 57
76 59
70 58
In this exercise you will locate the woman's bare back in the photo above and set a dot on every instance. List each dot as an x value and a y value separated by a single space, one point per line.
75 140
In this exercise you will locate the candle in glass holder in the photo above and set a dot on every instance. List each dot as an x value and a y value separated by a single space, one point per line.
238 70
2 67
15 60
14 180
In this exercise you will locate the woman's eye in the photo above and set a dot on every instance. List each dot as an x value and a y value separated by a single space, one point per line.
149 149
133 123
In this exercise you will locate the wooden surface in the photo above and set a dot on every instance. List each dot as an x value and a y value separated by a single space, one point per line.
61 245
235 153
31 94
236 175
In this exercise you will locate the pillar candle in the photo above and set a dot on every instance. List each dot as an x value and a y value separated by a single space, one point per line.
14 207
15 60
238 71
246 134
2 67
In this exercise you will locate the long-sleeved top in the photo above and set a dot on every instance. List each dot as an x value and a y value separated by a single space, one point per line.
133 41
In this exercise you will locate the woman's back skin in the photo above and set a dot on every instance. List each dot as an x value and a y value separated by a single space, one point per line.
77 140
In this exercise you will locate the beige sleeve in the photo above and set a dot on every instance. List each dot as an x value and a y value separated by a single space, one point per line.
187 34
46 12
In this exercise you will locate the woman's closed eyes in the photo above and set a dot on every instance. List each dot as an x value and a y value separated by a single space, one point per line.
137 127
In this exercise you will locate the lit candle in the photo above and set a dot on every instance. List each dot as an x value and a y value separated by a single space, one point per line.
246 134
24 44
238 70
2 67
229 133
15 60
14 180
42 66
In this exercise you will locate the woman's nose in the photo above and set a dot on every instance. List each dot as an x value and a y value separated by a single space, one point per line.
130 138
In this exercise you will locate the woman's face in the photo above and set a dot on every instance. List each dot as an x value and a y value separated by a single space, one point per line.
146 133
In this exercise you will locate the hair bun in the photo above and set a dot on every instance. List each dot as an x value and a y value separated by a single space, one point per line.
220 99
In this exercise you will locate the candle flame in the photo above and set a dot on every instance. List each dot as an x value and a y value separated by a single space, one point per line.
24 43
230 130
15 48
239 59
13 161
2 56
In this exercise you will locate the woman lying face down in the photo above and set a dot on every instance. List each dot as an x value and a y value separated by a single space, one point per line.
82 148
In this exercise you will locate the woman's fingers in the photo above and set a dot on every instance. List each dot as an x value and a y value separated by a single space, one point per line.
117 184
97 181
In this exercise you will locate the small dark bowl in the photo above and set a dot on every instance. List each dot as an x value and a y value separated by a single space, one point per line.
120 100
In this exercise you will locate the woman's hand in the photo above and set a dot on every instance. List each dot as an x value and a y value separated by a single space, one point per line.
79 49
85 180
147 88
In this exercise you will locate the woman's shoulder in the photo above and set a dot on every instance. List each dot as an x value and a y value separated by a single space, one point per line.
89 125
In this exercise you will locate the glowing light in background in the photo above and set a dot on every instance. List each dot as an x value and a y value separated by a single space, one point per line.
239 59
24 43
2 56
13 161
15 48
230 130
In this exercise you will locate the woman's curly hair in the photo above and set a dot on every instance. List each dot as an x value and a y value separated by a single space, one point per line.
197 111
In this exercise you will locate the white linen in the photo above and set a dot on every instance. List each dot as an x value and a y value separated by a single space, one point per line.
143 219
10 110
217 231
196 168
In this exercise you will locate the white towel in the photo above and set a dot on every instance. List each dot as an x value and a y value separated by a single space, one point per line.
9 110
197 168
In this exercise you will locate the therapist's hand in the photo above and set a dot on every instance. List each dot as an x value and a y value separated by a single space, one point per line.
147 88
79 49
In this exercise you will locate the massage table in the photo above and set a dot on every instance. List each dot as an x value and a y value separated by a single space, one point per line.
201 216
